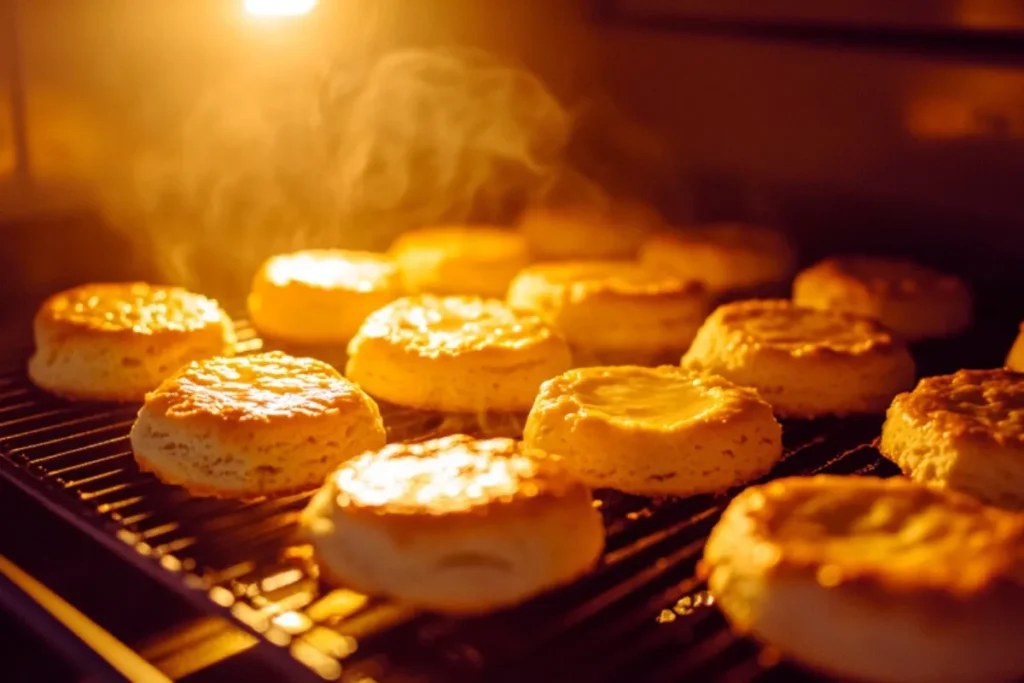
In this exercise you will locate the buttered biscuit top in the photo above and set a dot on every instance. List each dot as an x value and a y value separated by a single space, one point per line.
436 326
873 579
457 354
612 306
655 398
256 388
454 524
977 404
333 269
136 308
578 279
892 276
321 296
116 341
915 301
963 431
654 431
805 362
609 229
452 475
776 324
477 260
890 532
725 257
255 425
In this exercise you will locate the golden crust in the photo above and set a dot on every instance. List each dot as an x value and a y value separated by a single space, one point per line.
432 327
632 397
613 230
134 308
887 277
613 312
255 388
451 476
867 532
332 269
654 431
575 280
979 405
914 301
321 296
455 354
751 239
726 256
780 325
116 341
477 260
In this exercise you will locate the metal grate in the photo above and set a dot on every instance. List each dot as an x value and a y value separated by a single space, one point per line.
641 615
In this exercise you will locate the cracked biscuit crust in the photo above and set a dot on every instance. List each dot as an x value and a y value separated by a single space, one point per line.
116 341
805 362
455 354
963 431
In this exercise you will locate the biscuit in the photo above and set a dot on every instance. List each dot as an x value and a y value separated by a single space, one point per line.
725 257
613 312
914 301
805 362
321 296
654 431
963 431
873 580
1015 359
479 260
454 525
116 341
250 426
612 230
455 354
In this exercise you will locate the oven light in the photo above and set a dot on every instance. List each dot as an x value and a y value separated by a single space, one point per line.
279 8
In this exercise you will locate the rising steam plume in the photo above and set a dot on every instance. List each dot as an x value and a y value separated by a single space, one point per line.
347 156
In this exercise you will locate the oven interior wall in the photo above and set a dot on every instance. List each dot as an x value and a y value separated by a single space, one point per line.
866 147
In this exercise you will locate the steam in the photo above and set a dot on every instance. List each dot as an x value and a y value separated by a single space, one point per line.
345 156
352 154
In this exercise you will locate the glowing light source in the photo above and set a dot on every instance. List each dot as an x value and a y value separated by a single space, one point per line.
279 8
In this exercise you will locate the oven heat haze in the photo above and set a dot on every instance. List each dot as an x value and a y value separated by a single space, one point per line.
279 8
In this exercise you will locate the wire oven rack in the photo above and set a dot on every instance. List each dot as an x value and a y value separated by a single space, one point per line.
640 616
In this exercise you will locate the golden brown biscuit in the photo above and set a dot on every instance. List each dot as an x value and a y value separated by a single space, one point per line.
1015 359
454 524
654 431
725 257
805 362
873 579
477 260
455 354
914 301
613 312
611 230
250 426
321 296
115 342
963 431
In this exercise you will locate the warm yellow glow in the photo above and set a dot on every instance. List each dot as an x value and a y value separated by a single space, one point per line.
292 622
643 396
334 269
451 474
279 8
